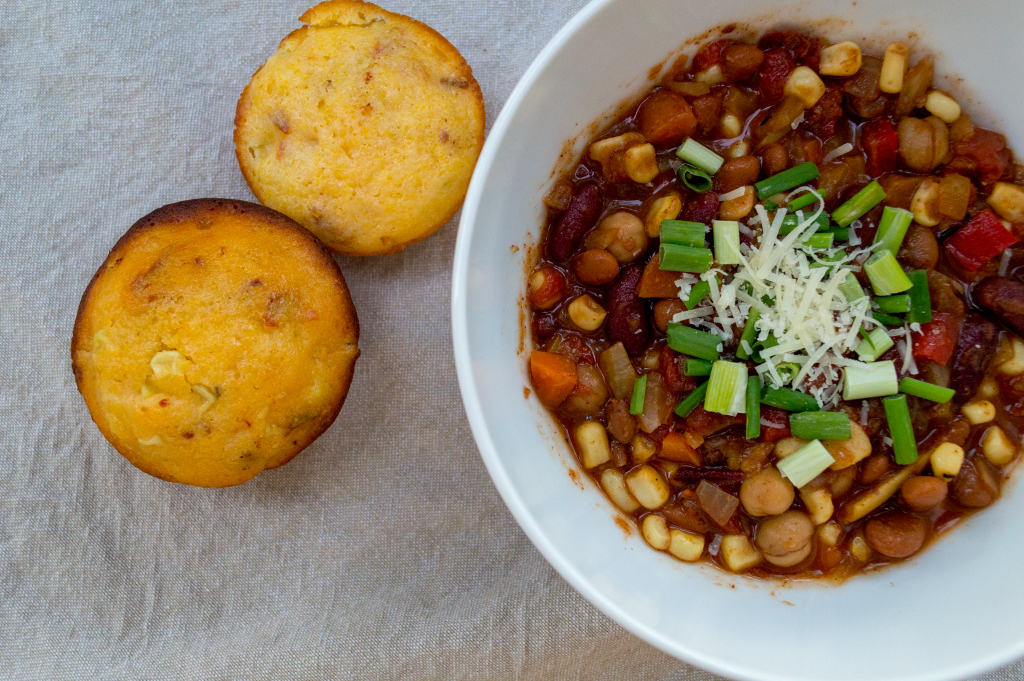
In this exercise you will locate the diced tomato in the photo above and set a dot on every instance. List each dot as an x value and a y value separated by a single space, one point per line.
675 448
575 347
710 54
669 364
937 339
773 74
702 422
774 424
553 376
983 154
881 143
980 240
666 119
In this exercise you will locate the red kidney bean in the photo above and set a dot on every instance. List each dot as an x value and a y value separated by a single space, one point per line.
1004 298
675 380
578 219
978 341
773 74
774 424
701 208
802 48
544 326
627 316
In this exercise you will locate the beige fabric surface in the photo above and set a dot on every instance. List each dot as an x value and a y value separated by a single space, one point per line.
383 551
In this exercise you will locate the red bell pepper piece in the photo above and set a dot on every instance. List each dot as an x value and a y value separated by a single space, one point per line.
937 339
881 143
980 240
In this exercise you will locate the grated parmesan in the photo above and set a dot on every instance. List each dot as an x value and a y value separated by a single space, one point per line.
734 194
837 152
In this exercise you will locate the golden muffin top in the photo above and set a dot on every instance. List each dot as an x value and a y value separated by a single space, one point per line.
216 340
364 127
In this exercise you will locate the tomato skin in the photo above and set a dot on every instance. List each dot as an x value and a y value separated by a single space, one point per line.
774 424
937 338
980 240
881 143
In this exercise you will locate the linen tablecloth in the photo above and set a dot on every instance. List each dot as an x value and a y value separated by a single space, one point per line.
381 552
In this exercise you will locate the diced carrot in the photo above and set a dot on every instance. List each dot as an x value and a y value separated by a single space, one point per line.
656 283
675 448
554 377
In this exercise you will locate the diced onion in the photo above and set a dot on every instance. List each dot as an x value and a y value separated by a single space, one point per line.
718 504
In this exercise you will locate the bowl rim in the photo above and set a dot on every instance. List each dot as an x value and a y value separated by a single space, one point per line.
488 450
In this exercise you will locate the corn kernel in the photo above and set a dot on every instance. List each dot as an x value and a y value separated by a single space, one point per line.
989 388
946 460
685 545
665 208
1013 366
655 531
1008 200
860 550
894 67
155 441
819 504
739 148
586 313
710 76
643 448
942 105
830 533
647 485
806 85
841 59
641 163
997 446
614 485
925 204
167 363
206 395
738 553
602 150
979 411
730 125
592 442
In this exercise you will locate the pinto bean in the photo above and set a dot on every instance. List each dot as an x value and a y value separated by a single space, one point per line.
977 345
896 534
785 540
666 119
736 173
740 61
945 293
701 208
1004 298
581 215
767 493
686 514
595 266
664 310
923 492
976 485
920 248
775 159
621 424
873 468
707 109
627 318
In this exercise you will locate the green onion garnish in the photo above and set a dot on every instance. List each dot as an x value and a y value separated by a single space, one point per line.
753 407
920 299
787 371
786 180
874 345
926 391
749 332
789 399
851 289
901 429
876 379
700 156
840 233
792 220
697 367
727 388
806 463
885 274
892 228
693 342
802 201
636 402
886 319
821 241
683 233
691 401
897 304
695 178
863 201
673 258
770 206
727 241
820 425
698 292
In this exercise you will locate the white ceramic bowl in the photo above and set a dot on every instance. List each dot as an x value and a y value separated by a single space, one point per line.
954 611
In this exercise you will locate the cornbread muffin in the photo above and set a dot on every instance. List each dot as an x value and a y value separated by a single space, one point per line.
217 340
364 127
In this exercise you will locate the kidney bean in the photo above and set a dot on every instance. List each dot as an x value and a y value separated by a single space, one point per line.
774 424
736 173
1004 298
740 61
701 208
578 219
976 485
544 326
595 267
773 74
710 54
920 248
627 317
664 310
977 345
666 119
896 534
923 492
669 366
621 424
983 155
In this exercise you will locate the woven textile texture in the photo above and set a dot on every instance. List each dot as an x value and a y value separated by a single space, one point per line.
381 552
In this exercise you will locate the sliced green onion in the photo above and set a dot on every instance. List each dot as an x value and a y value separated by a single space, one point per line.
901 429
885 274
749 332
636 403
820 425
700 156
897 304
920 299
791 221
787 371
695 178
673 258
821 241
876 379
691 401
886 319
851 289
727 241
753 407
874 345
697 367
683 233
861 203
802 201
892 228
770 206
698 292
693 342
786 180
727 388
926 391
789 399
806 463
840 233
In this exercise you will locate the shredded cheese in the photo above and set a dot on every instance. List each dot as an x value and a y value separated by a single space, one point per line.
734 194
837 152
